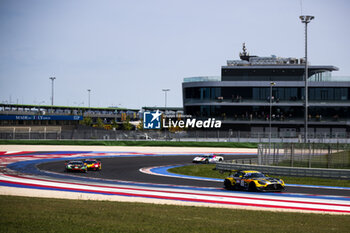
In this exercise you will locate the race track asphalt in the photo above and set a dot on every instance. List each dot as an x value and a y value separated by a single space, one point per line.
127 169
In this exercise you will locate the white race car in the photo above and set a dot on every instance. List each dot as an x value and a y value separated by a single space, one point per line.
208 159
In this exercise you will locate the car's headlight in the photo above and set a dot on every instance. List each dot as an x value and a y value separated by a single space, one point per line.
261 182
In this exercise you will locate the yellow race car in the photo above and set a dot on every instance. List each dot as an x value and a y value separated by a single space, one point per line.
93 164
253 181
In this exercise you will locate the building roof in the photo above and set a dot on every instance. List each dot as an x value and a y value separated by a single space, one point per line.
66 107
163 108
272 62
278 66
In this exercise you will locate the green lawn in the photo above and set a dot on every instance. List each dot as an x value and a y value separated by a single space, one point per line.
207 170
23 214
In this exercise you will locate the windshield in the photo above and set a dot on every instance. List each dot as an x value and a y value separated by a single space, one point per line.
76 163
254 175
90 162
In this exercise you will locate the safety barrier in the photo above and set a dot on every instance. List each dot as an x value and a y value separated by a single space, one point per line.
80 132
287 171
310 155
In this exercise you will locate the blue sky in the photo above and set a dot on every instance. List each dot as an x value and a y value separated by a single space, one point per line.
126 52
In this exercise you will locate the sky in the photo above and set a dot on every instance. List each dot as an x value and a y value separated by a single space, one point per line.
126 52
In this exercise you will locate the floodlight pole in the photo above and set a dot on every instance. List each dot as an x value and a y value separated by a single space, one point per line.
165 96
270 116
306 19
89 91
52 81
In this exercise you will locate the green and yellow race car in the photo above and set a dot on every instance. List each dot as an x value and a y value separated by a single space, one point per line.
72 166
253 181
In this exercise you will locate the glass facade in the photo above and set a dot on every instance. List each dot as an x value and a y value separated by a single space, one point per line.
243 98
252 104
329 93
242 94
282 93
261 113
203 79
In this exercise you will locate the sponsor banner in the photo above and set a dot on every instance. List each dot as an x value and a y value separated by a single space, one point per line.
151 120
40 117
192 123
154 120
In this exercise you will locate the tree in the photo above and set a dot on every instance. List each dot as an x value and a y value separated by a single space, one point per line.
86 121
127 125
140 125
114 124
100 123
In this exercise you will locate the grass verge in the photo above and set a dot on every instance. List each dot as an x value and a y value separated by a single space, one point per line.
206 170
130 143
24 214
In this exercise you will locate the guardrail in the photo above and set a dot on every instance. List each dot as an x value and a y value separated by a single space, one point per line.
288 171
74 132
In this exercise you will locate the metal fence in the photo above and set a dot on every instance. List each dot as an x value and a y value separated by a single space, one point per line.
311 155
288 171
49 132
297 159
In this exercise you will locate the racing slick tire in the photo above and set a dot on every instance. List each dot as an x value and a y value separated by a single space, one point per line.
228 185
252 187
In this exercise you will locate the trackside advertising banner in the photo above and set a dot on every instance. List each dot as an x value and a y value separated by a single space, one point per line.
154 120
40 117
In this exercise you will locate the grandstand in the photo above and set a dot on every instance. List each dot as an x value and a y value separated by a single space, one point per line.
15 115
